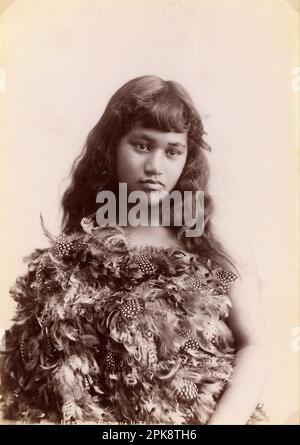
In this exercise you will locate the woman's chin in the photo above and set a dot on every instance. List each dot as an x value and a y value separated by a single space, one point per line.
155 197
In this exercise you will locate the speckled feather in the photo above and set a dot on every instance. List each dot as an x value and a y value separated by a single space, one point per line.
104 331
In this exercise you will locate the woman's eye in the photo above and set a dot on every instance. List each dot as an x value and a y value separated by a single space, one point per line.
141 146
173 153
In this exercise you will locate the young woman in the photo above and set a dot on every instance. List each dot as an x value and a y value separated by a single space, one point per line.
138 323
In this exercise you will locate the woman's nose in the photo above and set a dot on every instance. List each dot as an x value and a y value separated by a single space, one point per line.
154 163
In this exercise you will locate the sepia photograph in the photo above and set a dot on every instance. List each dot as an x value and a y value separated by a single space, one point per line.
149 212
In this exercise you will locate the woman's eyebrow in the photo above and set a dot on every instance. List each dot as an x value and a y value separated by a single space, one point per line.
142 136
150 139
176 144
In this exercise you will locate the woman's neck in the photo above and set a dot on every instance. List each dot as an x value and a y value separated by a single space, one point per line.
151 235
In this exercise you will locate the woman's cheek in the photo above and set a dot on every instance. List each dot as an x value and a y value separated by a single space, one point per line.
124 161
175 172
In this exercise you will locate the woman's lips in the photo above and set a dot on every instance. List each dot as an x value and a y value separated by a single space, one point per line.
152 185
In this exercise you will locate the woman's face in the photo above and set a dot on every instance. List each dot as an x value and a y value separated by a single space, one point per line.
151 160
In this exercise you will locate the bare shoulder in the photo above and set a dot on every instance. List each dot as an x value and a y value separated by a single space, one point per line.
246 318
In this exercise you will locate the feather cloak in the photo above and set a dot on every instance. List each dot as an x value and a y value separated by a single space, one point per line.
105 332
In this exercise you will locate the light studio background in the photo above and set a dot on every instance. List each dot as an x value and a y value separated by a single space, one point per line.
61 60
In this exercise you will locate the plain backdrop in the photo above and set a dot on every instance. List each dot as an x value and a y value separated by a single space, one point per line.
60 62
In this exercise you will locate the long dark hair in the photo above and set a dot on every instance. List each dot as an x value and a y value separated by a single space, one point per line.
154 103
